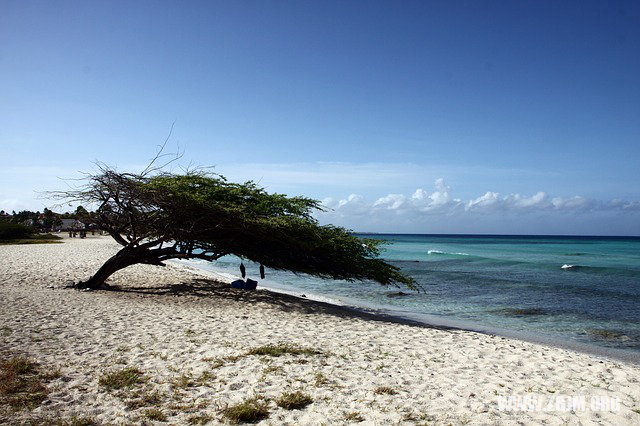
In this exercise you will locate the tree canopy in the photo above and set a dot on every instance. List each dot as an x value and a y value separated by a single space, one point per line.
202 215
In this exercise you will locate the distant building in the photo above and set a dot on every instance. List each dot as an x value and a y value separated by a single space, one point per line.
71 225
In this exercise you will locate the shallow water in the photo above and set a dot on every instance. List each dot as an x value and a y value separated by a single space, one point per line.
512 283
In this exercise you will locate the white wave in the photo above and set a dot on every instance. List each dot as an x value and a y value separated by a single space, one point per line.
565 266
444 252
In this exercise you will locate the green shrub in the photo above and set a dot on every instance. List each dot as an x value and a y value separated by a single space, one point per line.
21 385
248 411
14 231
283 349
124 378
293 400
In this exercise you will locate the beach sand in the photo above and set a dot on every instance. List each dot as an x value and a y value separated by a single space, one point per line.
190 337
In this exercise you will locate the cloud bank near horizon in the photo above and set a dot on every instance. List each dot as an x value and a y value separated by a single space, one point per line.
441 202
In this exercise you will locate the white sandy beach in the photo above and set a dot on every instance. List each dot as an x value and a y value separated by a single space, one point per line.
174 325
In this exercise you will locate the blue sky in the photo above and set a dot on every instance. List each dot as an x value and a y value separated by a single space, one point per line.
448 116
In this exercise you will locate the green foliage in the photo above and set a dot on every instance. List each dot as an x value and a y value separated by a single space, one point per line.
21 384
354 417
283 349
385 390
205 216
14 231
294 400
155 414
199 419
57 421
124 378
248 411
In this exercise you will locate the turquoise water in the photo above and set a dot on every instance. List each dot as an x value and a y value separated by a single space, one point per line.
509 283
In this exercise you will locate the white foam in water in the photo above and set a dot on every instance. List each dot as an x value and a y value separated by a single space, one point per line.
444 252
565 266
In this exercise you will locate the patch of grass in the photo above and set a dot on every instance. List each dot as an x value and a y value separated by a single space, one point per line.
380 390
215 362
21 385
143 399
354 416
293 400
321 379
52 375
250 410
233 358
125 378
29 241
204 378
414 417
72 421
199 419
283 349
46 237
183 381
155 414
272 369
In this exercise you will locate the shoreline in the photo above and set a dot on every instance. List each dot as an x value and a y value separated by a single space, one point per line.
194 342
431 321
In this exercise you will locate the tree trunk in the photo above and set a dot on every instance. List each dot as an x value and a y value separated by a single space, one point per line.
125 257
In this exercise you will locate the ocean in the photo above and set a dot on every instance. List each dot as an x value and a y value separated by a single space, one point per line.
575 291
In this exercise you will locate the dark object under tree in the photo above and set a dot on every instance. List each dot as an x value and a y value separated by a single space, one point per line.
157 216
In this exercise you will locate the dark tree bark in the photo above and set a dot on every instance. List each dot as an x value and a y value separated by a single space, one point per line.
131 254
127 256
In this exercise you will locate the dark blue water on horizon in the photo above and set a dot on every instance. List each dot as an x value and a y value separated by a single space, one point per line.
580 289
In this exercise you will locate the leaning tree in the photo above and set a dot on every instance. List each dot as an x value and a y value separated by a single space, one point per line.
199 215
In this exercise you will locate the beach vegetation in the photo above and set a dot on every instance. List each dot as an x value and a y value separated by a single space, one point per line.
280 349
124 378
293 400
354 416
57 421
272 369
199 419
233 358
158 215
144 399
250 410
215 362
204 378
155 414
184 380
22 384
381 390
16 233
321 379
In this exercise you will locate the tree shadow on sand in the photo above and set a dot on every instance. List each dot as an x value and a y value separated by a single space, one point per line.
211 291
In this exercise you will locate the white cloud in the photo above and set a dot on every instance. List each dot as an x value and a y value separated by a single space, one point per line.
391 202
440 202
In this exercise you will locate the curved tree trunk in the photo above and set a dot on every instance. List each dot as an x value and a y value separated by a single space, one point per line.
125 257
